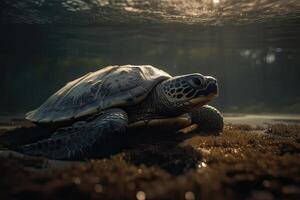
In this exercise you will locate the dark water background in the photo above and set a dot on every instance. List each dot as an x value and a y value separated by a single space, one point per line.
251 47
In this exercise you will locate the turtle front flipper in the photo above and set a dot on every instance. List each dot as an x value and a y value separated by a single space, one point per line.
74 141
206 119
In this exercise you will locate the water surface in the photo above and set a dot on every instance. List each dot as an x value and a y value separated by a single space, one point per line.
251 47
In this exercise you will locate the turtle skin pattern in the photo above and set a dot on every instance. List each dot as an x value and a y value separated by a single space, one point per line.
74 141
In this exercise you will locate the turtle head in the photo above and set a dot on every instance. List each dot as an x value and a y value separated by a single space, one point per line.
189 90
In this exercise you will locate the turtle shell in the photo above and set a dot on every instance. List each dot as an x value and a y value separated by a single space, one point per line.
113 86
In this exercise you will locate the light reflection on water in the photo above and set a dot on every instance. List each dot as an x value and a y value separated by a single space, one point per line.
253 50
149 11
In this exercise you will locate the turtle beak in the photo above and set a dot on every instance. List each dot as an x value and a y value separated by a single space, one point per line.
212 86
211 91
202 100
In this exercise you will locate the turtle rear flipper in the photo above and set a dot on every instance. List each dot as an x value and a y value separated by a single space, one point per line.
74 141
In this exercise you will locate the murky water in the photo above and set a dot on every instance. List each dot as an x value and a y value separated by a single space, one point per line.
252 47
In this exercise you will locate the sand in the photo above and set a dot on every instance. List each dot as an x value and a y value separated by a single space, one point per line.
247 161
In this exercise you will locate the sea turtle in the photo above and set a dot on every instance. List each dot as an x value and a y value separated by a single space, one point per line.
106 102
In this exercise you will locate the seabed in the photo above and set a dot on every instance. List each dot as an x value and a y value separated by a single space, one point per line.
247 161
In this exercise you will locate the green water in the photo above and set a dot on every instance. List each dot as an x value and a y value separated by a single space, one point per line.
252 49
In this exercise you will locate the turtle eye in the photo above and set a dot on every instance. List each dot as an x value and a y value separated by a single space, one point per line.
196 82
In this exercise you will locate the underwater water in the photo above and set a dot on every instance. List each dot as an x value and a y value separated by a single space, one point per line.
251 47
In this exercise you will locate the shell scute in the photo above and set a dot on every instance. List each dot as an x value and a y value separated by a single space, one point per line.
108 87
